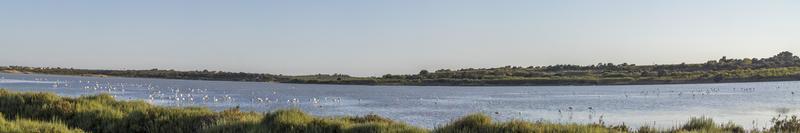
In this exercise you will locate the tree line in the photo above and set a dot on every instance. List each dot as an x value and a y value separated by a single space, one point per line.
783 66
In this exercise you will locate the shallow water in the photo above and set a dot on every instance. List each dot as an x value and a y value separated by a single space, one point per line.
747 104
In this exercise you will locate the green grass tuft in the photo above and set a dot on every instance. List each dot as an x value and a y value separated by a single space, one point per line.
30 126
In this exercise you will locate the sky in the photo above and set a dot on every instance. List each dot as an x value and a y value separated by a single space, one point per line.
375 37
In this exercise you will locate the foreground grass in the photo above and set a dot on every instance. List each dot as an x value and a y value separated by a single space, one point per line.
24 125
25 112
101 114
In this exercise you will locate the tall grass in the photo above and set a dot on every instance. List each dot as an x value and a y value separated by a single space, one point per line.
480 123
296 121
705 124
102 114
24 112
25 125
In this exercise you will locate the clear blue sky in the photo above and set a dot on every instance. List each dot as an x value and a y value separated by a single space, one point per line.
373 37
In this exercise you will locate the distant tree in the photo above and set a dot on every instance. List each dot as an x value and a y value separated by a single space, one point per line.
785 54
662 73
423 72
724 59
747 61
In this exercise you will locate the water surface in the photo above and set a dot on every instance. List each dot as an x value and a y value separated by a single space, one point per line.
747 104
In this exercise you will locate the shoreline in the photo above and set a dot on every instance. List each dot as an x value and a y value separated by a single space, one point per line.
423 85
781 67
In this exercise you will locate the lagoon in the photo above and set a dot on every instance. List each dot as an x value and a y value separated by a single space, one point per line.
749 104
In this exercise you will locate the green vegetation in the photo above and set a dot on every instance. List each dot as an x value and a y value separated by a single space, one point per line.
24 125
704 124
782 67
296 121
480 123
101 114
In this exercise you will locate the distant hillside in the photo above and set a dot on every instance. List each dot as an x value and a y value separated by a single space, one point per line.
784 66
781 67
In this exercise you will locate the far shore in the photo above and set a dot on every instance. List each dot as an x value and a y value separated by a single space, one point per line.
784 66
84 75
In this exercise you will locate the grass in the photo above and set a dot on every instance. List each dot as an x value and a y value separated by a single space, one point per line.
481 123
47 112
102 114
705 124
25 125
296 121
